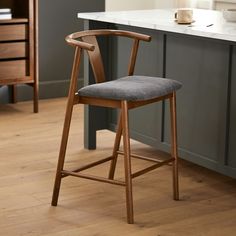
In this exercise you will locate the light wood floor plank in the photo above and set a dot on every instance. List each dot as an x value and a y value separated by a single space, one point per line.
28 155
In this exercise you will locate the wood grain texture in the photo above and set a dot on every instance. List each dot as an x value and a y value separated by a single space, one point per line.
18 80
23 27
13 32
12 50
12 69
28 154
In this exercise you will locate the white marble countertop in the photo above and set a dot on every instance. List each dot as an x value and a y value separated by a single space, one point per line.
208 23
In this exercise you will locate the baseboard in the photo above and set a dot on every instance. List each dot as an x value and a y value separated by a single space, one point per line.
47 89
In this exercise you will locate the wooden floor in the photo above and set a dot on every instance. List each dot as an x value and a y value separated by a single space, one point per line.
28 155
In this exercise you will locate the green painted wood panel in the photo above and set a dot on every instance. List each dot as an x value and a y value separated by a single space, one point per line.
202 66
205 104
232 126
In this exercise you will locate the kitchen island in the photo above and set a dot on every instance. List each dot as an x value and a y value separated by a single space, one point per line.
202 56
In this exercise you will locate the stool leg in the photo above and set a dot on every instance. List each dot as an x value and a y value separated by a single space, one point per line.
66 128
174 150
127 162
62 154
115 149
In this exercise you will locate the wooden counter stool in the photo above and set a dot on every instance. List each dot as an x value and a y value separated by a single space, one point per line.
124 93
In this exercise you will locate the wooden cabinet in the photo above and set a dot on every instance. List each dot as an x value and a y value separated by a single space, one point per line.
18 47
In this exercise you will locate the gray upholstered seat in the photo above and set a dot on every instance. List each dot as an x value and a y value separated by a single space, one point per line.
131 88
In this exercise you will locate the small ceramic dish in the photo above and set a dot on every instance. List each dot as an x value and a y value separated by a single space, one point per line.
229 15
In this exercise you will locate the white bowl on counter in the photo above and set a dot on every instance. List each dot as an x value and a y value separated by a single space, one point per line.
229 15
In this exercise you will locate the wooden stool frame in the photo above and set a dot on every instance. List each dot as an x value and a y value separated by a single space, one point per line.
89 43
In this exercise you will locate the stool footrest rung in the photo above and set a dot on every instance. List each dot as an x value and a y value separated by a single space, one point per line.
90 165
150 168
142 157
92 177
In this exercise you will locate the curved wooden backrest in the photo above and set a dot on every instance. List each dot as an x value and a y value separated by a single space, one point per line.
87 40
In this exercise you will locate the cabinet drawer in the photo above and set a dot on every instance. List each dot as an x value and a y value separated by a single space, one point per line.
13 32
12 69
12 50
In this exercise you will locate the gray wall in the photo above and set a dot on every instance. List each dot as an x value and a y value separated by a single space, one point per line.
57 18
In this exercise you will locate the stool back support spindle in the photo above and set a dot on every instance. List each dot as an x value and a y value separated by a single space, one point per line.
95 59
133 57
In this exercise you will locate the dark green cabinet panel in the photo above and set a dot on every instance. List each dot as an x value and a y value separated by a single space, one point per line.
232 126
202 67
206 104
